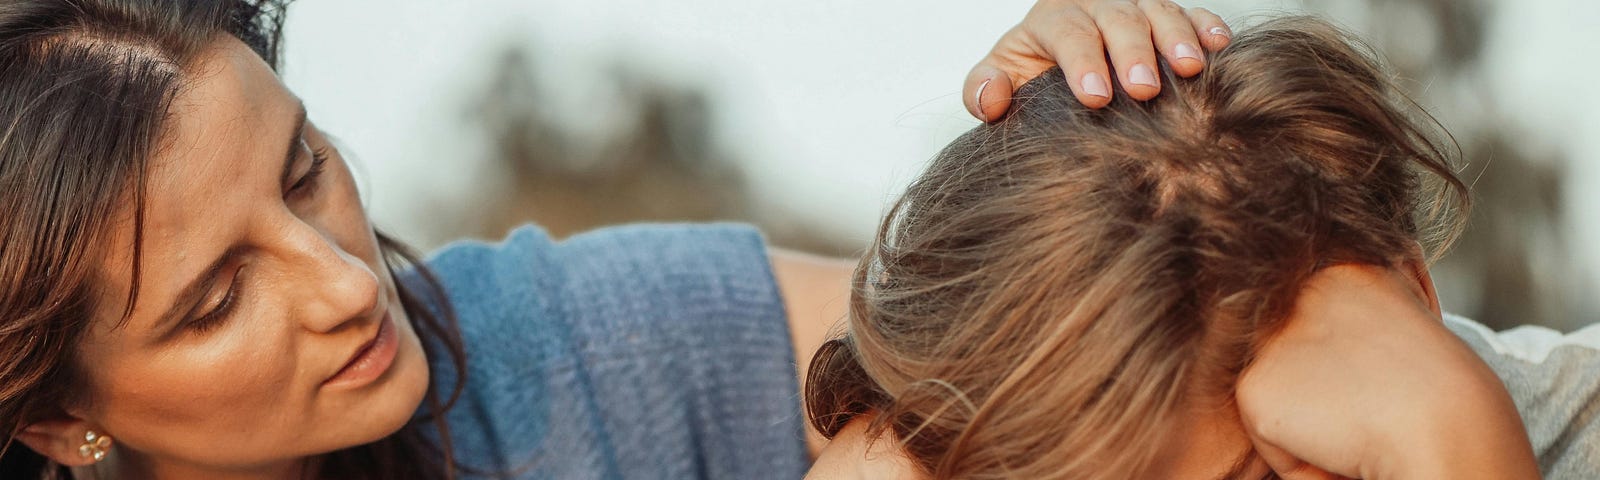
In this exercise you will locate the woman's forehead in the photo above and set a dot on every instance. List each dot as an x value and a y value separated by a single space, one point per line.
231 104
221 151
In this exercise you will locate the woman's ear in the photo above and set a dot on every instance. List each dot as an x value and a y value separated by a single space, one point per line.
1422 282
59 440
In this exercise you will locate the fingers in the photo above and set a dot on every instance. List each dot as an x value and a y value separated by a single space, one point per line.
1080 35
1127 37
1073 40
1174 36
1288 467
1064 36
1214 33
987 93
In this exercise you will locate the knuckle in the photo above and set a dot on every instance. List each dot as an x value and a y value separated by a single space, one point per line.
1165 7
1124 15
1076 30
1170 8
1199 13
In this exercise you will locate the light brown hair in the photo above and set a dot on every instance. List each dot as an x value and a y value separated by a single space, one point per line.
1046 297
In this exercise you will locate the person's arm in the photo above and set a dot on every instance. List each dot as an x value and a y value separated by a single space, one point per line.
1554 378
1365 381
816 293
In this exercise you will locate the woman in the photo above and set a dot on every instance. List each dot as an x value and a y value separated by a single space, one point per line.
191 289
1226 281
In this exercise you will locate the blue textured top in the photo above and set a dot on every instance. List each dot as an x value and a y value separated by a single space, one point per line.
649 351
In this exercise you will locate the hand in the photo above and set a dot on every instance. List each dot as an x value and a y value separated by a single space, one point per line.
1077 34
1364 381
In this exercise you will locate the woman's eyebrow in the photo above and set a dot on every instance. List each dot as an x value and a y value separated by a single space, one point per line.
294 141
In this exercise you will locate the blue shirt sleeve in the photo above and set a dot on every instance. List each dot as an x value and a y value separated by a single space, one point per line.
651 351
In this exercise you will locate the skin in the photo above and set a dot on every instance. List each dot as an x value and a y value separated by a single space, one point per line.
244 397
1078 35
816 292
1365 381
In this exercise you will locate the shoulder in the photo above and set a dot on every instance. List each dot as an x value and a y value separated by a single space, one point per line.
483 279
610 291
623 267
1554 378
719 263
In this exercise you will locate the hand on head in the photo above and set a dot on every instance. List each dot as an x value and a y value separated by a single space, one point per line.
1078 35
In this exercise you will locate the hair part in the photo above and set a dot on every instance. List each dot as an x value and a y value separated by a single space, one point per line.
1047 298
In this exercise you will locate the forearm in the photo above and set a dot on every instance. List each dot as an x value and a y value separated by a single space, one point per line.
1475 433
816 294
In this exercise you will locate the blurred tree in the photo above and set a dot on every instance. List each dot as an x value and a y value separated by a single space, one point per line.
660 162
662 166
1511 267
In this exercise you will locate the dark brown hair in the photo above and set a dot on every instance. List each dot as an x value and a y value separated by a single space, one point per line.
1048 295
85 87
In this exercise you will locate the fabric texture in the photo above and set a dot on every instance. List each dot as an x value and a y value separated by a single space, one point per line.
646 351
1555 381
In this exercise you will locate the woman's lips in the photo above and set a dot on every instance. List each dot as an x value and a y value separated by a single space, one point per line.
371 361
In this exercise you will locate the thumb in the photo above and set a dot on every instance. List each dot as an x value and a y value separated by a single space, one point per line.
987 93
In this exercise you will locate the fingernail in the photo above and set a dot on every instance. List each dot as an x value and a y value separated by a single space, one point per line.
1219 31
1184 50
977 100
1142 75
1093 84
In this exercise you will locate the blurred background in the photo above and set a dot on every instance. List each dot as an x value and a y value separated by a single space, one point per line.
806 118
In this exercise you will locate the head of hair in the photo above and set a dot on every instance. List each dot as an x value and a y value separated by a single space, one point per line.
85 90
1052 291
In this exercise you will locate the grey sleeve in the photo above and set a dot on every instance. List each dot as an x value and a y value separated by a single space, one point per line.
1554 379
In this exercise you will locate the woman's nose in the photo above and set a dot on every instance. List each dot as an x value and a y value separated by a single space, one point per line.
336 287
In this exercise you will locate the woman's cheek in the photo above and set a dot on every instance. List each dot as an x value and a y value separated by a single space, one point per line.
239 379
232 367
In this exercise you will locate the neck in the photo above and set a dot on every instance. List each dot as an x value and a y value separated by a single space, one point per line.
126 465
1209 444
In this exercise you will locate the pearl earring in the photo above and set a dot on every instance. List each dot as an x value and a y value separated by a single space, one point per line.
94 446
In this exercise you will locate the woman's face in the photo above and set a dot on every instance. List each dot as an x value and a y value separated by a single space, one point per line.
261 281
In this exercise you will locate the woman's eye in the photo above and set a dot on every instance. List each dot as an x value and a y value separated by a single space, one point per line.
308 181
216 315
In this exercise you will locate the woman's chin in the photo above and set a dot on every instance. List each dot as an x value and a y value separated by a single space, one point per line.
399 400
